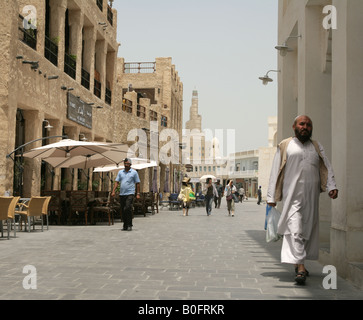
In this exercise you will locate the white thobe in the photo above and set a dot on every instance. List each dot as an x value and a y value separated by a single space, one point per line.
299 221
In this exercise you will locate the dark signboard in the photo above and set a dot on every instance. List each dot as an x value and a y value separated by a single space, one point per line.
79 111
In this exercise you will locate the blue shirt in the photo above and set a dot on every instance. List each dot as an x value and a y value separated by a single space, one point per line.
127 180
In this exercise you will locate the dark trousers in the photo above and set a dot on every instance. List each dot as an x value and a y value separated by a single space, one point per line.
126 203
217 201
208 204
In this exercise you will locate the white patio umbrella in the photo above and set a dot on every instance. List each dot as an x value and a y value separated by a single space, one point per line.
79 154
115 168
205 177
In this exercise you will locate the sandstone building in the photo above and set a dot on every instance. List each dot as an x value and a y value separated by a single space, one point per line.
57 54
153 102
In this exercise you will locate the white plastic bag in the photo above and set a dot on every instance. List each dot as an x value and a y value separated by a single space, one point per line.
273 218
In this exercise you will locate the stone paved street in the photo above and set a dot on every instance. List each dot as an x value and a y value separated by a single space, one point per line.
165 257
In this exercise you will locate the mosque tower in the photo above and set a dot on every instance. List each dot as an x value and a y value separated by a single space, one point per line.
195 120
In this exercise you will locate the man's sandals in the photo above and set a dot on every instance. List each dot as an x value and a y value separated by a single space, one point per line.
301 276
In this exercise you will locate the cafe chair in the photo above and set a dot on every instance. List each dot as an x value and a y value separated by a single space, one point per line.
35 208
149 201
163 203
104 205
55 205
45 210
139 205
7 213
175 203
79 201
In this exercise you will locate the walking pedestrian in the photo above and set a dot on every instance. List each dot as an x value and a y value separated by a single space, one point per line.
300 171
217 200
259 195
128 180
184 195
210 192
229 191
241 192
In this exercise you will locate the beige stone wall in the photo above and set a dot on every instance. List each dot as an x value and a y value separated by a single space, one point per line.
42 99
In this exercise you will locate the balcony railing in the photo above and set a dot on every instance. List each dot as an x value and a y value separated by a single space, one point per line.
97 89
153 115
247 174
140 67
28 36
51 51
85 79
127 105
141 112
70 65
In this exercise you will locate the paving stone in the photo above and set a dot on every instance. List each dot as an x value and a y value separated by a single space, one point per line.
165 257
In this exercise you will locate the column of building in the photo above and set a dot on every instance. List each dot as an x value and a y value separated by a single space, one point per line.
57 25
347 95
7 101
76 20
315 95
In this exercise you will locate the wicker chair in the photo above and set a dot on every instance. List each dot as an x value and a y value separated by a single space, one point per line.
36 208
7 213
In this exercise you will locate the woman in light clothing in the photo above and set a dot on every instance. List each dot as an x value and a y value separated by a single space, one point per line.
184 195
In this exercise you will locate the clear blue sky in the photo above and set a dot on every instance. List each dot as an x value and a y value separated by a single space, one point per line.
220 48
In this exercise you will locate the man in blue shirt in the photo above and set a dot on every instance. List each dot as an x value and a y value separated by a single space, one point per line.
128 180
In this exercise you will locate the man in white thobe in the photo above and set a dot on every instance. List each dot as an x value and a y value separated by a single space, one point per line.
300 171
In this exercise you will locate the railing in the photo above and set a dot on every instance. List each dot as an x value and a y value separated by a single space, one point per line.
153 116
110 15
140 67
127 105
141 112
244 174
85 79
70 65
97 89
28 36
108 98
51 51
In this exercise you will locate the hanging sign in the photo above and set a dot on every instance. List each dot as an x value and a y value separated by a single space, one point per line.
79 111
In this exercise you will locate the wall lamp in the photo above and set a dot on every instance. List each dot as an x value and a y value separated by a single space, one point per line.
48 126
266 79
82 137
30 62
53 77
66 88
284 49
